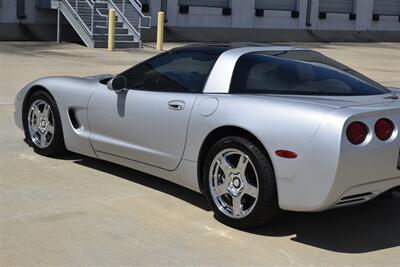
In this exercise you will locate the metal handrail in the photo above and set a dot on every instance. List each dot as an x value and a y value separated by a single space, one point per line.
124 18
134 23
138 5
75 11
93 10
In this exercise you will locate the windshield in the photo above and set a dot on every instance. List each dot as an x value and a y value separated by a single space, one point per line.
299 72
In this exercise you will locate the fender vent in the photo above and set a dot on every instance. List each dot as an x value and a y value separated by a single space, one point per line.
73 119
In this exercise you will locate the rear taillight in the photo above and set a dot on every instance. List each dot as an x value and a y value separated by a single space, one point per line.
384 129
357 132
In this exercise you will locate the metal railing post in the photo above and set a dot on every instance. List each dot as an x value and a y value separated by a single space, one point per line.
76 6
58 25
92 19
123 7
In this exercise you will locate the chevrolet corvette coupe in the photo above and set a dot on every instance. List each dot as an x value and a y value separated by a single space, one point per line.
256 129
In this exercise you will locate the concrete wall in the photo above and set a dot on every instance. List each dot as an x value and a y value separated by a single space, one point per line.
208 24
38 24
243 16
8 13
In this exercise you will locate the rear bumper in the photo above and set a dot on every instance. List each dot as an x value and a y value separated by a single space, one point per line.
332 197
363 193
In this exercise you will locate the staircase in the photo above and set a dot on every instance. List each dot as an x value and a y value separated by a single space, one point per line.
89 18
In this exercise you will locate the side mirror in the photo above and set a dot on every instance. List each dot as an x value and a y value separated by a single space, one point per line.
117 84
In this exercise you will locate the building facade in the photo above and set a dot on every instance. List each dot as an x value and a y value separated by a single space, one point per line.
231 20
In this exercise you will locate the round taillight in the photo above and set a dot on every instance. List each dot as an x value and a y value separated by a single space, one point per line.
384 129
357 132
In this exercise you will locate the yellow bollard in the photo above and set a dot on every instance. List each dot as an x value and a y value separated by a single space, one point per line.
160 31
111 29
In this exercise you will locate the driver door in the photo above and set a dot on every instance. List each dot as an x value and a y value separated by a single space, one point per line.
148 122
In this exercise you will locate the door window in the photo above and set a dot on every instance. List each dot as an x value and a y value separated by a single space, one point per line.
171 72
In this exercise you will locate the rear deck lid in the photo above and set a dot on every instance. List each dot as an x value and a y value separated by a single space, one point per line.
344 101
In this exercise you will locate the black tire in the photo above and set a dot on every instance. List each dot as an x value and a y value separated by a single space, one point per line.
266 207
56 146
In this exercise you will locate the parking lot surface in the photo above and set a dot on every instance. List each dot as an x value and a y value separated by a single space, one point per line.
78 211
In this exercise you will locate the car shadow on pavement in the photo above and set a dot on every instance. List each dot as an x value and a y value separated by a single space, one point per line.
359 229
144 179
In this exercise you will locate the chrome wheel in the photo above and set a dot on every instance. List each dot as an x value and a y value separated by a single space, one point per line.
41 123
233 183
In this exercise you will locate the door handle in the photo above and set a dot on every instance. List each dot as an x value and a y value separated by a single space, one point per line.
176 104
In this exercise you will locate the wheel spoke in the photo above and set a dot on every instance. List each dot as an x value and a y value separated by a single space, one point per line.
224 165
221 189
251 190
36 112
242 164
34 127
43 140
50 128
237 207
46 110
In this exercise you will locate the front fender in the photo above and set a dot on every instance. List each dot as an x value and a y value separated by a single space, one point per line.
71 95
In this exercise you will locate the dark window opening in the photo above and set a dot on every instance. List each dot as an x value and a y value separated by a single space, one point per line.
299 72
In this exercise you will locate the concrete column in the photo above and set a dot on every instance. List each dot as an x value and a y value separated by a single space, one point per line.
364 10
172 12
155 6
314 13
243 13
302 8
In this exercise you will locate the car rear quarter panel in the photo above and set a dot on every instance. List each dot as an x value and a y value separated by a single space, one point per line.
333 166
276 123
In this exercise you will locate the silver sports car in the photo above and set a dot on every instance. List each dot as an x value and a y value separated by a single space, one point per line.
255 129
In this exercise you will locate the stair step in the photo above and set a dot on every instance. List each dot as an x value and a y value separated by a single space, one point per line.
118 37
124 38
103 11
99 30
94 18
101 5
122 44
104 23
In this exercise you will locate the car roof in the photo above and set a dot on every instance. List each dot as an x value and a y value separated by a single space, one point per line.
219 48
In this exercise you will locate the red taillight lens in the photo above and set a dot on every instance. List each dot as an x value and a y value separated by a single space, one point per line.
384 129
357 132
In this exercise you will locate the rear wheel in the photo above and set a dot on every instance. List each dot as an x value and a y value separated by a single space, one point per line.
42 125
239 183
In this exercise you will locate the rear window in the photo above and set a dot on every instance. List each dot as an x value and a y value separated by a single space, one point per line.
299 73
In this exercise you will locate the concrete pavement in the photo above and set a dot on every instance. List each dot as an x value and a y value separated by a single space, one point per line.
77 211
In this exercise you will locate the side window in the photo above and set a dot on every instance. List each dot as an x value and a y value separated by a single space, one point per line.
280 74
171 72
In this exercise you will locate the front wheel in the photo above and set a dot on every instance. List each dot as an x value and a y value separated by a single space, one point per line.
239 183
42 125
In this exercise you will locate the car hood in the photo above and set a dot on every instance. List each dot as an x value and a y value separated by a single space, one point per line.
99 77
383 100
